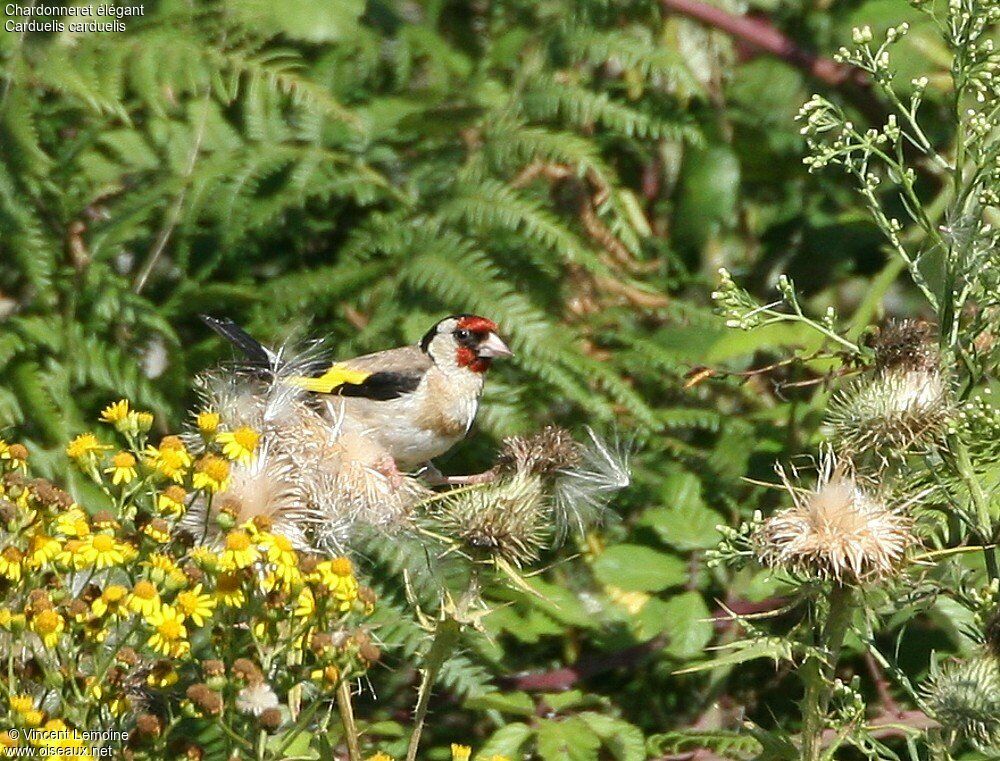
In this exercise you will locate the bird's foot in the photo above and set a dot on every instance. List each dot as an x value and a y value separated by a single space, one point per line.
387 467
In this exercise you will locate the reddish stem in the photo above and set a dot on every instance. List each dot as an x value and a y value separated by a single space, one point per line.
763 36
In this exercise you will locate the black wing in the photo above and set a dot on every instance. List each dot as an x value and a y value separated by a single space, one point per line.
255 351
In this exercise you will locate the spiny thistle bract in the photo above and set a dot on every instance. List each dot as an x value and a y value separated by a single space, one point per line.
903 404
510 520
965 698
837 530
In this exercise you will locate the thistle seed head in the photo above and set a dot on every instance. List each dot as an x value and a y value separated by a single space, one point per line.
905 344
892 412
965 698
509 519
837 530
550 450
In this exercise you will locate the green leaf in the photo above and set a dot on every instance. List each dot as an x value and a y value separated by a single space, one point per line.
685 522
515 703
708 195
624 740
506 741
567 740
686 622
636 568
776 648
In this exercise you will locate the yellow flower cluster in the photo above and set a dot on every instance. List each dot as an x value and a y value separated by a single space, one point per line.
121 597
171 461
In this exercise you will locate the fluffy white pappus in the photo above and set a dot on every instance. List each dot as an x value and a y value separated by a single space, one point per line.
262 399
256 698
836 530
582 492
267 487
356 495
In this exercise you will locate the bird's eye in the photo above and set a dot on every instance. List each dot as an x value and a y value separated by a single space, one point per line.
462 334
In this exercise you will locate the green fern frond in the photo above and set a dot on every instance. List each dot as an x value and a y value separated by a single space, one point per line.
546 99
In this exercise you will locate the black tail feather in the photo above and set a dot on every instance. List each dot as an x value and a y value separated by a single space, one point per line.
255 351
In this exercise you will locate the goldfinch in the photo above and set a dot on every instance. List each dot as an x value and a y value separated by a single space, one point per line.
414 402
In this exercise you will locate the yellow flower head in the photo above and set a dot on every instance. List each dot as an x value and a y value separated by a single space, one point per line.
122 468
48 625
101 551
208 423
164 569
157 530
205 557
336 576
211 473
170 635
85 446
11 562
23 707
72 555
145 599
143 420
57 734
278 549
195 605
305 604
380 756
239 551
170 460
42 549
15 454
239 445
460 752
9 620
113 602
229 590
116 412
170 502
73 522
162 675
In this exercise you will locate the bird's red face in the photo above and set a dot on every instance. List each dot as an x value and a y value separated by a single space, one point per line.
472 341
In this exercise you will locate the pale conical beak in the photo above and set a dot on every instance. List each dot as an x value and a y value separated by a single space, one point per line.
494 346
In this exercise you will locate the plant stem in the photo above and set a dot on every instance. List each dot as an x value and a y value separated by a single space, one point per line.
445 638
347 717
818 672
965 471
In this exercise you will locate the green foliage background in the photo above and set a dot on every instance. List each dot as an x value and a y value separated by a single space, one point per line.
575 170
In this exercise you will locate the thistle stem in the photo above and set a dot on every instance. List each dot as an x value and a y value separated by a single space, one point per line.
818 672
980 501
445 638
347 717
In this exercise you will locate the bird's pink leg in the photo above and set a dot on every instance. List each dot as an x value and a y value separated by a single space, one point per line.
387 467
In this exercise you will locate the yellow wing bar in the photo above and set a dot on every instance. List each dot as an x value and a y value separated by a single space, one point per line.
337 375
